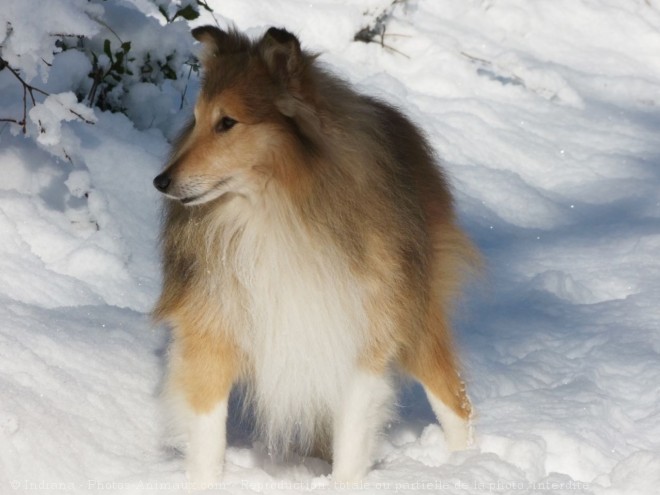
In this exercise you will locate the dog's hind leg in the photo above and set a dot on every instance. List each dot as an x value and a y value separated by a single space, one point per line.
455 424
202 369
433 364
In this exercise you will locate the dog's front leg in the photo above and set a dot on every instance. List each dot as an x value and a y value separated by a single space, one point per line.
206 445
202 369
365 406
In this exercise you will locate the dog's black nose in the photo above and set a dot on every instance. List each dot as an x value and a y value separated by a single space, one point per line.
162 181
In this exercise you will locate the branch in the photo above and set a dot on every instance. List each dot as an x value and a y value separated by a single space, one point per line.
27 89
86 121
370 33
13 121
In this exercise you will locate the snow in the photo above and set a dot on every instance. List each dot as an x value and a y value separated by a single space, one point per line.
546 116
32 29
54 110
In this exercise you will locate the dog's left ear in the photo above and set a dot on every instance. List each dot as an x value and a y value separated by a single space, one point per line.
286 62
281 51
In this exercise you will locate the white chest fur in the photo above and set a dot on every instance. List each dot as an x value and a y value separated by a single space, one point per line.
305 324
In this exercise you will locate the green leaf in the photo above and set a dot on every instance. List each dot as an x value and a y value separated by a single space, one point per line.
168 72
188 12
106 49
126 46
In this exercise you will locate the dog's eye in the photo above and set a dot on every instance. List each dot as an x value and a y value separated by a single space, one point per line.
225 124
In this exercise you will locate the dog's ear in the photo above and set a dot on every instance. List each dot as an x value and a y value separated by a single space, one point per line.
286 62
281 52
214 42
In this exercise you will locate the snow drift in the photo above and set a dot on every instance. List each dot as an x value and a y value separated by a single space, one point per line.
546 116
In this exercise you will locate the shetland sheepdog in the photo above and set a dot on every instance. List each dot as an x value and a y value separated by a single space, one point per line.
310 254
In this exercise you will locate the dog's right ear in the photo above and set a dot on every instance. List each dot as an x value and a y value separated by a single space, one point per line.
213 41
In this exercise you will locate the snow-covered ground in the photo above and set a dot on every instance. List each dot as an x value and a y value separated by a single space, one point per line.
547 115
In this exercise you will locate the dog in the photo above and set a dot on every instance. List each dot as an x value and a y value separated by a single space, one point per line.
310 254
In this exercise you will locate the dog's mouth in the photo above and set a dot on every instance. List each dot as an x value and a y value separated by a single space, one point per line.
191 199
214 192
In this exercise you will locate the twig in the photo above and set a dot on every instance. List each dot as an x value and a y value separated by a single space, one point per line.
67 156
27 86
494 70
105 25
185 89
477 59
13 121
86 121
368 34
28 89
66 35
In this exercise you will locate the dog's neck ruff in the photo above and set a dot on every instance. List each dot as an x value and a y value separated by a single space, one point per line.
300 317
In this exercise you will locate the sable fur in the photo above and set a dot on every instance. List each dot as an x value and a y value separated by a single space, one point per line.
316 179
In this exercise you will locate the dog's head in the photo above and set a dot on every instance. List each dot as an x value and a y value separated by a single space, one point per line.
246 119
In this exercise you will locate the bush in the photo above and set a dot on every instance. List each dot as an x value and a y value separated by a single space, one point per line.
130 56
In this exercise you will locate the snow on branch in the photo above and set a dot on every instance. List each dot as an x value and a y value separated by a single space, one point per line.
29 89
126 56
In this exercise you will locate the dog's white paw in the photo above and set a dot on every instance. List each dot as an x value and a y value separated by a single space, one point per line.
206 447
348 474
203 477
